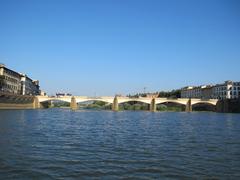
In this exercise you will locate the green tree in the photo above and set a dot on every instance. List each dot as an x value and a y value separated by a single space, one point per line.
137 107
100 103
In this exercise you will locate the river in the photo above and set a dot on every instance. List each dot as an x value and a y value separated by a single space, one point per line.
64 144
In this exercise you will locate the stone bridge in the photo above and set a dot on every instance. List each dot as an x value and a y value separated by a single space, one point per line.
115 101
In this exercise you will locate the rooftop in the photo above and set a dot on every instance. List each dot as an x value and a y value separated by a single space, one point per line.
2 65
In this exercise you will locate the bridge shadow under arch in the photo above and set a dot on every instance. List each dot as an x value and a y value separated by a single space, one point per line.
133 105
54 103
170 106
94 104
203 106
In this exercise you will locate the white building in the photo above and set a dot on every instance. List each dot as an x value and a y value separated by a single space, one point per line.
227 90
201 92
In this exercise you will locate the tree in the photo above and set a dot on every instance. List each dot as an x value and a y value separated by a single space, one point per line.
170 94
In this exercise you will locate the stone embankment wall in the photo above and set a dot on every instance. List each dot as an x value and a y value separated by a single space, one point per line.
228 106
11 101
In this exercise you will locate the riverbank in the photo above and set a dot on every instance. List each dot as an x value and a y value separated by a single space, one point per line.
228 106
12 101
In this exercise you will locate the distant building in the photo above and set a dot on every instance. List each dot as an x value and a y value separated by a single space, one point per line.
226 90
207 92
202 92
17 83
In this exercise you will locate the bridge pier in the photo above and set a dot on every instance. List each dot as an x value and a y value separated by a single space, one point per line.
189 106
153 106
115 104
36 103
73 104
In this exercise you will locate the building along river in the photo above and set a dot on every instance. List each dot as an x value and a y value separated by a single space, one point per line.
63 144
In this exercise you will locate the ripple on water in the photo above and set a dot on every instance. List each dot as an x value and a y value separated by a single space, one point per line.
61 144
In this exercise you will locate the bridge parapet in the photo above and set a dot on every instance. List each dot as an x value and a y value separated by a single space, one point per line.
103 99
47 98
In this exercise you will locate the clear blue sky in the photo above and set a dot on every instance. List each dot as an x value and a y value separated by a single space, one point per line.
120 46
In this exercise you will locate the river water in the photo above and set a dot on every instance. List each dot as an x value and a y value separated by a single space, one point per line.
62 144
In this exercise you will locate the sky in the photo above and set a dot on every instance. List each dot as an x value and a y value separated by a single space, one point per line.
107 47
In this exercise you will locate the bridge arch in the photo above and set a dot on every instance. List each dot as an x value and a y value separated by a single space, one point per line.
171 101
51 102
93 104
120 101
132 104
78 101
170 105
204 106
54 99
214 103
